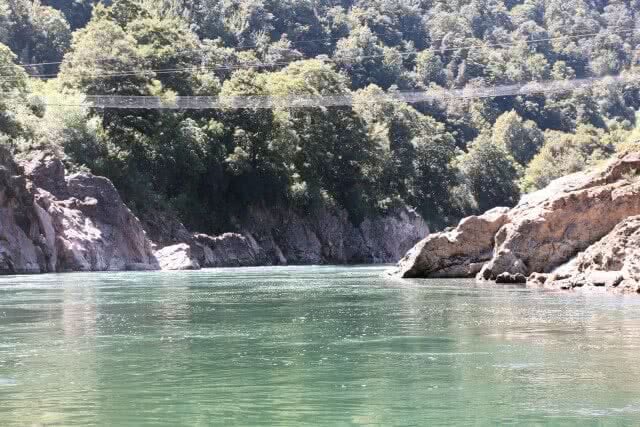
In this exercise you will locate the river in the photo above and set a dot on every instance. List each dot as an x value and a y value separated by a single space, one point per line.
310 345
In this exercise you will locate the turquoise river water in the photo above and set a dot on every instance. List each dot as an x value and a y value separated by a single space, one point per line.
311 345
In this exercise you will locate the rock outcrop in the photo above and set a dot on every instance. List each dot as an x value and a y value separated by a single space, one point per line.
24 246
545 230
541 238
52 222
460 252
230 250
177 257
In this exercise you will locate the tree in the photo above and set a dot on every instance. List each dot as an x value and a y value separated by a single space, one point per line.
255 160
428 68
14 93
168 44
6 22
299 22
237 22
36 33
565 153
489 174
434 179
77 12
104 60
210 165
418 153
394 22
333 152
521 139
366 61
608 54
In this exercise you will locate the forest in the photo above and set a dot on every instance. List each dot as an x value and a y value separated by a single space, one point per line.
447 159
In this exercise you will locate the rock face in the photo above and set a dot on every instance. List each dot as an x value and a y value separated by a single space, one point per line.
281 236
230 250
545 230
23 245
541 238
327 236
52 222
612 263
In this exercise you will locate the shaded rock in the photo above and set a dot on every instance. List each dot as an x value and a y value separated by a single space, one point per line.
23 244
537 279
230 250
460 252
164 228
177 257
47 172
280 236
406 227
511 278
326 235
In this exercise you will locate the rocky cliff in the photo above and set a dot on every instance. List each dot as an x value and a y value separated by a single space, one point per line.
570 226
52 222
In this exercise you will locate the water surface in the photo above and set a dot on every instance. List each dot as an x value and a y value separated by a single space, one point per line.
310 345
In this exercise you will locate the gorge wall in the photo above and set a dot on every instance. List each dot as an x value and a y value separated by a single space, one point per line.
52 221
283 236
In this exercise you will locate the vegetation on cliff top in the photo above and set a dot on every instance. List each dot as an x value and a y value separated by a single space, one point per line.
447 159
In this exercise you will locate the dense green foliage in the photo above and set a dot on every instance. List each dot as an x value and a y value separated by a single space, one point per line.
446 159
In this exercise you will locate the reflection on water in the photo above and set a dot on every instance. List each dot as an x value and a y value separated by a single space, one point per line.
316 345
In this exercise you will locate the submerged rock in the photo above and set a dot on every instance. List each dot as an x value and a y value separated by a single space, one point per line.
511 278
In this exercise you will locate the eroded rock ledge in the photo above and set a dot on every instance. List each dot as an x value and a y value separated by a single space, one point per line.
582 228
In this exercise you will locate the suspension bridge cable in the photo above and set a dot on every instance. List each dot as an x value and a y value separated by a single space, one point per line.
345 99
